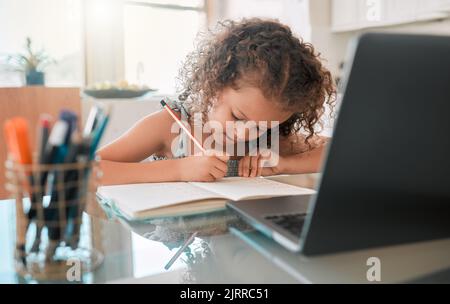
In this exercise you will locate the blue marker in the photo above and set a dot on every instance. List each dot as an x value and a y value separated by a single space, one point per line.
98 133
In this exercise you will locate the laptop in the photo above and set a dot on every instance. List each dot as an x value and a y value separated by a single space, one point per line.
386 177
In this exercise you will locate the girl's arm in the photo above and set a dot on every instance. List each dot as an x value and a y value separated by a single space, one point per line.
295 157
306 162
114 173
146 137
120 161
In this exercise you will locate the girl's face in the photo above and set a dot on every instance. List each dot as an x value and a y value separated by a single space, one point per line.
250 109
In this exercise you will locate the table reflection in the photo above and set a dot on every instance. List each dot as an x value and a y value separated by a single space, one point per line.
139 249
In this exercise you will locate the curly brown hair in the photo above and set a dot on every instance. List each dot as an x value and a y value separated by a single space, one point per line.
263 54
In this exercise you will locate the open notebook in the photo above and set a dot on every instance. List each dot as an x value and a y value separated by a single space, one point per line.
139 201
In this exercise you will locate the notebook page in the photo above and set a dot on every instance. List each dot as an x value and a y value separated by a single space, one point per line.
238 188
135 198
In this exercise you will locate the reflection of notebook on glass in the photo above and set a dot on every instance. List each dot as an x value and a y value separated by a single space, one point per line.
137 201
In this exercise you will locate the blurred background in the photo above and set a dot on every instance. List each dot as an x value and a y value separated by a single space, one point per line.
144 41
75 53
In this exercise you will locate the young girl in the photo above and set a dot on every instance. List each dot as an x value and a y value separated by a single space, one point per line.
249 71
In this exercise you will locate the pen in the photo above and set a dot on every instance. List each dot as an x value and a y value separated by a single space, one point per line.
99 130
71 182
42 138
43 134
53 155
93 131
55 140
71 119
73 236
91 121
180 251
69 150
180 123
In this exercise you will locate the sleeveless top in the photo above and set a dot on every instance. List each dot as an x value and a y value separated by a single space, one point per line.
181 148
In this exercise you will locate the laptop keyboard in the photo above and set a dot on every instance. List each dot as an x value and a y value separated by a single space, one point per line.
290 222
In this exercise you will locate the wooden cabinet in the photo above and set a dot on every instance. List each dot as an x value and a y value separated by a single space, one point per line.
30 102
349 15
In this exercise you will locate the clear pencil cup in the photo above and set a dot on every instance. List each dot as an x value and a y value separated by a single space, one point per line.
52 243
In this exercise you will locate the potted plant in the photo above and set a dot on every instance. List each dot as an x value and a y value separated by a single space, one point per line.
32 64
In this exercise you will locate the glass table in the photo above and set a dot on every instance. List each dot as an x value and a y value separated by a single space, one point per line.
144 252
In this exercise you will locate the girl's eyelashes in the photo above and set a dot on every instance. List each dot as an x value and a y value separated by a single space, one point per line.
241 119
235 117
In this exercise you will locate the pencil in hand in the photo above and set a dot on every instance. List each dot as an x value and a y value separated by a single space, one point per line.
182 126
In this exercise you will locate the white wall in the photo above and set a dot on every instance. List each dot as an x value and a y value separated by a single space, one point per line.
56 26
441 27
334 45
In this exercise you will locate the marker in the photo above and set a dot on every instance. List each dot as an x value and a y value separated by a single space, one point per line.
55 141
75 213
180 123
91 122
69 153
71 190
53 155
43 135
16 135
71 118
99 130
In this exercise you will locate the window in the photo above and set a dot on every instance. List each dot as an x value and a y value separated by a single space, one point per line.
56 26
157 37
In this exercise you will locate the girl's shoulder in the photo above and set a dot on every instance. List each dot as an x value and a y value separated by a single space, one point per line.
178 106
161 119
157 124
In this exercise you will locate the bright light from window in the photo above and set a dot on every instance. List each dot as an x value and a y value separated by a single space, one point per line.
101 12
157 41
150 257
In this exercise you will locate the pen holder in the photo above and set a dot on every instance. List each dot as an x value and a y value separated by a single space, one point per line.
50 200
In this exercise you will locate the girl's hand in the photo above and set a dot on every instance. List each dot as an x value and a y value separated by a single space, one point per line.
202 168
266 163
